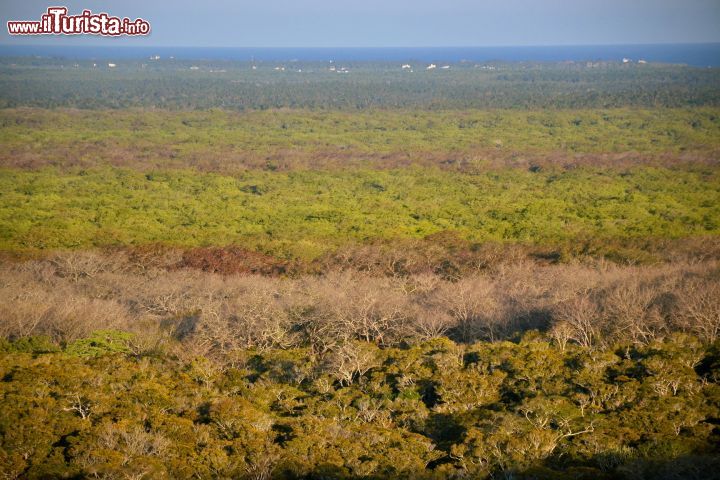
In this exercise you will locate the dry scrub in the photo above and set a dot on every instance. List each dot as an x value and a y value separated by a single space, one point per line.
69 295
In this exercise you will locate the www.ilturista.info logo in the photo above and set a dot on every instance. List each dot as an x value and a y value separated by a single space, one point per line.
57 22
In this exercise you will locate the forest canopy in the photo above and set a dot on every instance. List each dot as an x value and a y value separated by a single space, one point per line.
492 270
175 84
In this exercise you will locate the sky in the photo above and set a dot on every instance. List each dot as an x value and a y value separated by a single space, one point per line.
396 23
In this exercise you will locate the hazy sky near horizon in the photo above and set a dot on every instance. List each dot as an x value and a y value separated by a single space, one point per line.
375 23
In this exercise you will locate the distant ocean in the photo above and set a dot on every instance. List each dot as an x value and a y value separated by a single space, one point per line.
700 55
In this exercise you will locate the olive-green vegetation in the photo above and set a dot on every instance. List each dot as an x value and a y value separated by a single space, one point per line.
48 82
97 408
303 214
225 272
231 141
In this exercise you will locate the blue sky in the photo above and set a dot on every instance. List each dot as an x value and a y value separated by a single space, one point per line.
373 23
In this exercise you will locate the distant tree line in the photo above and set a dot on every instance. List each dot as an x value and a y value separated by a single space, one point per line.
35 83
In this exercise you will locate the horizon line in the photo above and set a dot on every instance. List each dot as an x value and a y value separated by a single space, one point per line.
549 45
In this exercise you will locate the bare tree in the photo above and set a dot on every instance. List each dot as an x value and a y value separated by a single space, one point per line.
631 310
473 307
699 309
79 405
581 317
351 360
77 265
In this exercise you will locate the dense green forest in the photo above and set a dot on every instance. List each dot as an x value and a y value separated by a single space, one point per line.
357 271
305 214
431 411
